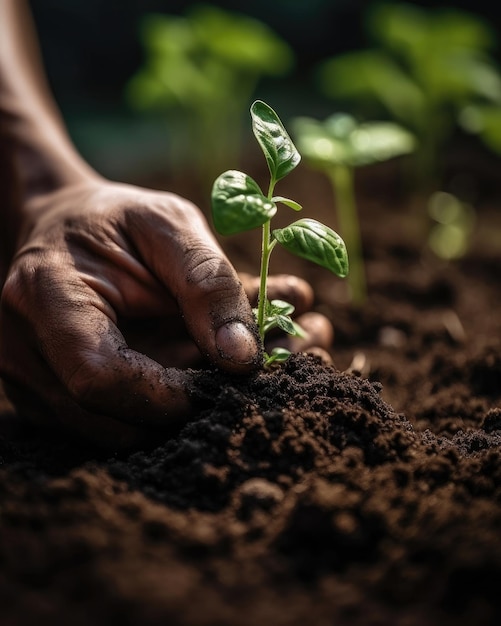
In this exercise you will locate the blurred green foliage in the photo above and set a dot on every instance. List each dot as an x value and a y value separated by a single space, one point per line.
453 224
341 140
336 146
200 71
426 67
484 120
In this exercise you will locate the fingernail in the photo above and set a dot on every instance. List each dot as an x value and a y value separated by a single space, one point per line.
236 342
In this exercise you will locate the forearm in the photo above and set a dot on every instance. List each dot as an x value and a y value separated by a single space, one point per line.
36 154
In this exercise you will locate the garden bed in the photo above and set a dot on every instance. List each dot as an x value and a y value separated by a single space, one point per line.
363 493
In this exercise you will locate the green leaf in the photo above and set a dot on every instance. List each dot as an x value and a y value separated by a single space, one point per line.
285 323
409 29
318 145
339 140
239 41
292 204
278 355
279 151
315 242
374 142
372 75
238 203
298 331
279 307
466 74
277 315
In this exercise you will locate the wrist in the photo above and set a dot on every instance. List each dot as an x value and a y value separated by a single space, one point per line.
36 155
43 159
36 161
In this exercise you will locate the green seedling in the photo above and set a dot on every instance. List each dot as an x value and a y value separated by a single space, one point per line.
239 204
425 67
336 146
201 69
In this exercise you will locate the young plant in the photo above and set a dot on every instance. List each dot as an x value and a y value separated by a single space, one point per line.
336 147
202 68
239 204
426 66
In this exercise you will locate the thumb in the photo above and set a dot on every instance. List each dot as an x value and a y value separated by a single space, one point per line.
217 313
186 258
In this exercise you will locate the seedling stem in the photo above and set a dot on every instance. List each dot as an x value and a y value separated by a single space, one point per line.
342 182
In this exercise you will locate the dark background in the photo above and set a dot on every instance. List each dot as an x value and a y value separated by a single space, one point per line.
91 49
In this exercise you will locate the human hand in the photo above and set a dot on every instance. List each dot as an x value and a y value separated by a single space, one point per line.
113 291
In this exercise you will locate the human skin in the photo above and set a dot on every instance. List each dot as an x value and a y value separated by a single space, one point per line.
111 292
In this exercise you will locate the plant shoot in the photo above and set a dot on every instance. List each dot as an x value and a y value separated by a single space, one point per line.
239 204
336 147
201 69
426 68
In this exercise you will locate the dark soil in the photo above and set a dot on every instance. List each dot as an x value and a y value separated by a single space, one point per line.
364 493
